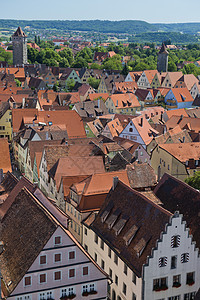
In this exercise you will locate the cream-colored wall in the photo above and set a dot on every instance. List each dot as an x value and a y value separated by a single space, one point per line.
168 164
117 270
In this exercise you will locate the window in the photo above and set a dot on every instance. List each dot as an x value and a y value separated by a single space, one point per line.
173 262
57 240
160 284
162 261
57 257
184 257
116 279
134 278
2 127
42 278
176 280
27 280
133 296
110 273
85 271
67 292
92 287
57 275
190 278
189 296
95 257
71 254
102 245
71 273
43 259
130 129
109 252
102 264
96 238
115 259
125 269
85 231
124 288
85 288
175 241
174 298
86 247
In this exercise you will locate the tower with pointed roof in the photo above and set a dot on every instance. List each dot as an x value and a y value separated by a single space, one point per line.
162 62
19 41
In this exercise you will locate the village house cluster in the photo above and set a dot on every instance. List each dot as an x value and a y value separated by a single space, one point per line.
93 199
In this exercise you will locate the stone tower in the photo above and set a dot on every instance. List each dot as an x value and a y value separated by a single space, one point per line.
162 62
19 41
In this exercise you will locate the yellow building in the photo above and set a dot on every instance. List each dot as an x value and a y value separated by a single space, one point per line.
126 104
179 160
5 121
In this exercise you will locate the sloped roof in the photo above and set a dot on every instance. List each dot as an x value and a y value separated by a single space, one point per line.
128 206
76 166
115 127
150 74
163 49
126 86
24 239
141 175
182 95
183 151
176 195
189 80
122 101
192 124
19 32
5 162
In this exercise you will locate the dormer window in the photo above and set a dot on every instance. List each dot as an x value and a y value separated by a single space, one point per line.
57 240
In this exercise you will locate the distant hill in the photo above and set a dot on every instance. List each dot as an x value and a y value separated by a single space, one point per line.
128 26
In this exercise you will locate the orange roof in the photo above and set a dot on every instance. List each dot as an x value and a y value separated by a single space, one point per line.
126 86
76 166
5 162
135 75
182 95
18 72
176 112
150 74
66 119
144 129
101 183
115 127
95 96
173 76
127 100
189 80
183 151
112 53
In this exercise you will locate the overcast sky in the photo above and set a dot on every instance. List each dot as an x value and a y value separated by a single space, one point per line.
153 11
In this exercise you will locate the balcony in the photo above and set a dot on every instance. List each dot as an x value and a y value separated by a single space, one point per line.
176 284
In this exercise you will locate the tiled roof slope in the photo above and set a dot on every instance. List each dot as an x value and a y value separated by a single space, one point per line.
176 195
21 247
5 162
141 175
138 235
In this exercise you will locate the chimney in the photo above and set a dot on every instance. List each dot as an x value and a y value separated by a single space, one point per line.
23 102
115 182
98 103
1 175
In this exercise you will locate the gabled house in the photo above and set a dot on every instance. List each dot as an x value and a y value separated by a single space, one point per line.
55 266
171 79
133 76
124 87
190 82
5 121
139 130
146 249
145 97
68 76
84 75
112 129
158 80
107 83
49 78
178 98
146 78
37 83
180 160
91 109
123 104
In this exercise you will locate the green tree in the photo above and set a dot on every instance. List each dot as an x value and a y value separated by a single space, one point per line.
125 70
80 62
194 181
70 85
63 63
94 82
18 83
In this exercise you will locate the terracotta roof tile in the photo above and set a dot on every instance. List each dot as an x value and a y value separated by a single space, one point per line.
5 162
